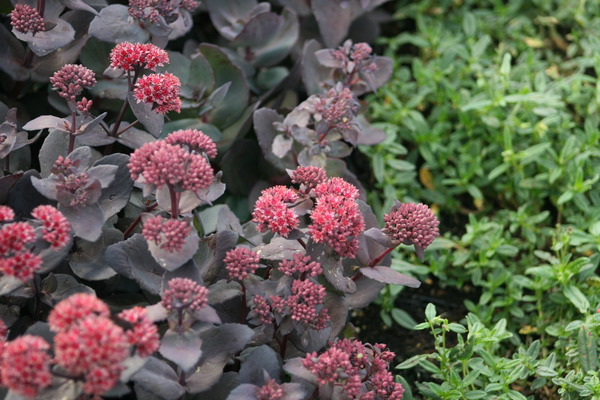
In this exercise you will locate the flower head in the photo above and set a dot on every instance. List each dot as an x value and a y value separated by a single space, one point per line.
75 308
411 223
16 259
161 163
26 19
300 265
56 229
25 365
330 366
240 262
337 221
184 293
271 390
70 80
6 214
130 56
309 177
260 307
22 265
195 140
306 303
337 186
153 10
337 108
143 334
273 211
160 90
168 233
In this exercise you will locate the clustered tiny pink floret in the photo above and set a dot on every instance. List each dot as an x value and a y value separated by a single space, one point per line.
337 186
25 365
337 109
26 19
354 57
273 211
261 308
241 262
144 334
184 294
56 229
15 258
131 56
300 265
160 90
411 223
195 140
70 80
168 233
72 187
152 10
337 221
304 303
88 344
309 177
161 163
6 214
84 105
271 390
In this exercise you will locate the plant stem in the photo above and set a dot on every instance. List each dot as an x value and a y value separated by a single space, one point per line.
377 259
174 202
72 132
137 221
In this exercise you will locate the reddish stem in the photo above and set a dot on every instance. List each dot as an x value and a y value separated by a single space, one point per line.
174 202
137 221
380 257
72 132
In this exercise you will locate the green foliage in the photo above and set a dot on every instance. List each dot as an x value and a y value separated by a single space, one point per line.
492 116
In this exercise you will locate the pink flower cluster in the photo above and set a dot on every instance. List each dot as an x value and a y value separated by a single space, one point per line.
304 305
26 19
131 56
410 223
361 370
143 334
73 186
89 346
194 140
184 294
70 80
337 108
241 262
308 177
161 163
274 211
336 218
300 266
17 240
271 390
168 233
153 10
160 90
355 57
25 364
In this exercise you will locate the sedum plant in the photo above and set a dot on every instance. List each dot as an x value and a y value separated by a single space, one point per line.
177 218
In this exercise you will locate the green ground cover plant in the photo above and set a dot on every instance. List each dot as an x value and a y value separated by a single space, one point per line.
492 116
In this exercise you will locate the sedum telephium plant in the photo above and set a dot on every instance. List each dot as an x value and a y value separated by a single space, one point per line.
126 267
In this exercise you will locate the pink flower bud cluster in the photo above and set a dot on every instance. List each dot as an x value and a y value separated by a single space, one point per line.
73 186
271 390
355 57
84 105
168 233
161 163
361 370
300 266
184 294
304 305
26 19
25 364
70 80
337 108
144 334
194 140
410 223
6 214
308 177
153 10
241 262
131 56
273 210
17 239
160 90
88 345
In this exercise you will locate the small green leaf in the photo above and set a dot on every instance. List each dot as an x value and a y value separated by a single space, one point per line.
430 312
586 346
576 297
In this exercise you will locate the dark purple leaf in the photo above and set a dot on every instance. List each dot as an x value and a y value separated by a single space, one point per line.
388 275
152 121
226 14
112 25
381 75
116 195
9 284
378 236
45 42
295 368
86 221
171 260
57 287
334 19
78 5
132 259
334 273
258 361
367 291
12 56
44 122
51 257
281 42
88 261
158 378
245 391
23 197
183 349
279 249
223 290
